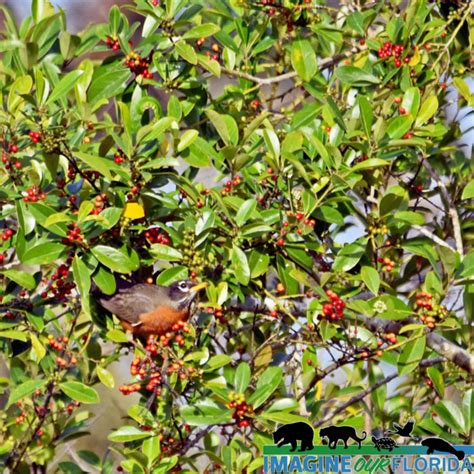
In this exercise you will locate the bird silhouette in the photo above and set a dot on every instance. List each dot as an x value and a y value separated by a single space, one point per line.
402 431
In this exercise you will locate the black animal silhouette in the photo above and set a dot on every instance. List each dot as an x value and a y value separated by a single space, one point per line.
384 443
405 431
335 433
293 432
438 444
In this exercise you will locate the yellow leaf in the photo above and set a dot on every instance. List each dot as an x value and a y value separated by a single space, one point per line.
133 210
415 59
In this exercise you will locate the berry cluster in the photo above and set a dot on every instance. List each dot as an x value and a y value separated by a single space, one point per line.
155 235
180 329
183 372
143 368
73 233
59 287
388 265
391 337
255 104
192 257
138 65
100 201
388 50
33 194
335 309
8 164
119 157
7 234
53 138
378 229
113 42
212 52
242 410
218 314
230 184
155 3
429 312
280 289
35 136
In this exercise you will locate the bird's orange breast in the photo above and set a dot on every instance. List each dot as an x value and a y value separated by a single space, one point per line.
156 322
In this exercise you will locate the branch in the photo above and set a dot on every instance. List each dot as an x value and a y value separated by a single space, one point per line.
450 206
433 237
452 352
264 81
372 388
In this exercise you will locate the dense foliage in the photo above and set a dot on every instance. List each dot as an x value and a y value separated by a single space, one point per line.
298 158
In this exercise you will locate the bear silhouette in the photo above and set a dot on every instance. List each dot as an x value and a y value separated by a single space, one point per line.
336 433
293 432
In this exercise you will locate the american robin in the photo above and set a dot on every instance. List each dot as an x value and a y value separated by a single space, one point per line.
146 310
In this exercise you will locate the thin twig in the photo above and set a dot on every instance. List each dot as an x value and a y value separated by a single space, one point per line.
450 206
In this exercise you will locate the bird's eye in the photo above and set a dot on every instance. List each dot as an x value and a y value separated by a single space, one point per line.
183 285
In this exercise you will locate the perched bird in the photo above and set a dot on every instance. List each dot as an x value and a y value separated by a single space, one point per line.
405 431
145 309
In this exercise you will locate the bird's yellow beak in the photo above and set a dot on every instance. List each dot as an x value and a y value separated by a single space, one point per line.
198 287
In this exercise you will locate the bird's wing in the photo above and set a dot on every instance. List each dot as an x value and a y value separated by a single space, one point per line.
397 426
129 303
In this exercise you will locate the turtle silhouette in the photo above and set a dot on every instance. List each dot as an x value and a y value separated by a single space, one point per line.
384 443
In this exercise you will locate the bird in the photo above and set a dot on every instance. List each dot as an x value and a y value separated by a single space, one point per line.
405 431
146 310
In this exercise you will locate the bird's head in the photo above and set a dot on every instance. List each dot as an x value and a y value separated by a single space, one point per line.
182 293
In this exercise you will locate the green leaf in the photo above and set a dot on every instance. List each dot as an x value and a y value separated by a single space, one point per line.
216 362
23 390
226 127
329 214
187 139
366 115
201 31
463 87
267 383
42 253
105 376
438 380
170 275
97 163
369 164
245 212
468 410
272 142
355 76
428 109
151 449
114 259
23 279
303 59
398 126
107 82
186 51
126 434
450 413
115 335
370 276
468 191
64 85
205 413
39 349
411 355
411 100
242 377
165 252
240 266
79 392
